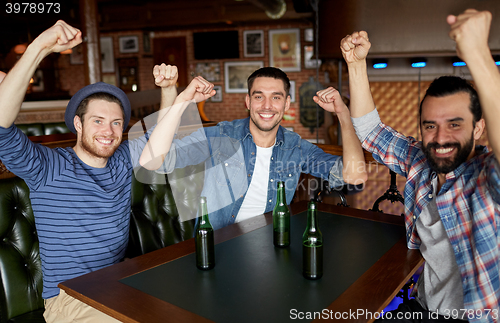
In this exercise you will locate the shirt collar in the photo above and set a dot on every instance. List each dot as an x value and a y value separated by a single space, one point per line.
280 135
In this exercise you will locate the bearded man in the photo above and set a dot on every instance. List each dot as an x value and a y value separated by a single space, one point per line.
81 195
452 191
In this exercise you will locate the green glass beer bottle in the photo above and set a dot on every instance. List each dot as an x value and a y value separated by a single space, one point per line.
281 219
204 239
312 246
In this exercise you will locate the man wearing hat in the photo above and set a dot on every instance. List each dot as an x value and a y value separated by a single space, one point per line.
80 196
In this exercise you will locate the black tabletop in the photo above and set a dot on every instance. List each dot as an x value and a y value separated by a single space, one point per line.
255 282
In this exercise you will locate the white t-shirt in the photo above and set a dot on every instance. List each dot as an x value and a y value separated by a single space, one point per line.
255 200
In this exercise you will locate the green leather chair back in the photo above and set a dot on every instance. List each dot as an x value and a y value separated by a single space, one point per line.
155 220
55 128
35 129
20 265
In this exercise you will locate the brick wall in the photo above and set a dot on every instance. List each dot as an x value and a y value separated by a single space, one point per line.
233 104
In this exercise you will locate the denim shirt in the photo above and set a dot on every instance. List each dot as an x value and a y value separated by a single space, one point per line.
229 154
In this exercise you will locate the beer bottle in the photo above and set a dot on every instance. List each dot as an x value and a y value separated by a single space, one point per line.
204 239
312 246
281 219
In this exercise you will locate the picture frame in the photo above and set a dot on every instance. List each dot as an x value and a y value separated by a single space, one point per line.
209 71
308 35
284 49
253 43
236 74
129 44
107 57
309 62
292 91
218 94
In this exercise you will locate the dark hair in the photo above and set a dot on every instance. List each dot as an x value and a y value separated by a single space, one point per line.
448 85
82 107
273 72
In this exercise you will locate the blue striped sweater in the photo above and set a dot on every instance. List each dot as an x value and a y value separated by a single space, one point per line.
81 213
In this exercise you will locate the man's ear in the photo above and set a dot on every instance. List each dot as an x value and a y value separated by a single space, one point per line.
247 102
287 102
77 122
479 129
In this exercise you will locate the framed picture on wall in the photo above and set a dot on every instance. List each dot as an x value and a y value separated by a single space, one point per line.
218 94
129 44
308 35
253 43
209 71
107 58
309 62
284 49
292 91
237 73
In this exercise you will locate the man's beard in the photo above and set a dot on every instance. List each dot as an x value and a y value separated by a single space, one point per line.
446 165
92 149
264 129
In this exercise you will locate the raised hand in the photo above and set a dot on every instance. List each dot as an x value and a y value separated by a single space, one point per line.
355 47
470 31
198 90
165 75
58 38
330 100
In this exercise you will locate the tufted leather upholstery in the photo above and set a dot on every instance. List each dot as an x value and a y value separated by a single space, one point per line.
55 128
155 223
35 129
40 129
20 265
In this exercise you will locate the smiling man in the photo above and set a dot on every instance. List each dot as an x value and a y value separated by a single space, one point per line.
81 195
452 191
244 159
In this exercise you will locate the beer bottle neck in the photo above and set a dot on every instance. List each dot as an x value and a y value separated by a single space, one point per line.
312 220
281 196
204 213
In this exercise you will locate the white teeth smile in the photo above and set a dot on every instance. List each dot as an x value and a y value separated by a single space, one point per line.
104 141
443 150
266 115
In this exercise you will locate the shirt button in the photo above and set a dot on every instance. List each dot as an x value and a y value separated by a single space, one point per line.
226 164
272 180
430 196
241 195
253 154
270 201
414 217
249 175
272 158
232 216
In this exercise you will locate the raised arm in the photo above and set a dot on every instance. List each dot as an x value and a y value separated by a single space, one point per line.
159 143
470 31
354 169
56 39
166 78
355 48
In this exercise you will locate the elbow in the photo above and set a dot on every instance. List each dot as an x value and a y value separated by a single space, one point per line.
149 164
356 178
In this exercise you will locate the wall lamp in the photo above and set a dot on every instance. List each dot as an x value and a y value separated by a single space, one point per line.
418 62
497 59
379 63
458 62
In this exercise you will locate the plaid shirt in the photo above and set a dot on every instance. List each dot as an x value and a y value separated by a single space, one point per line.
468 204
